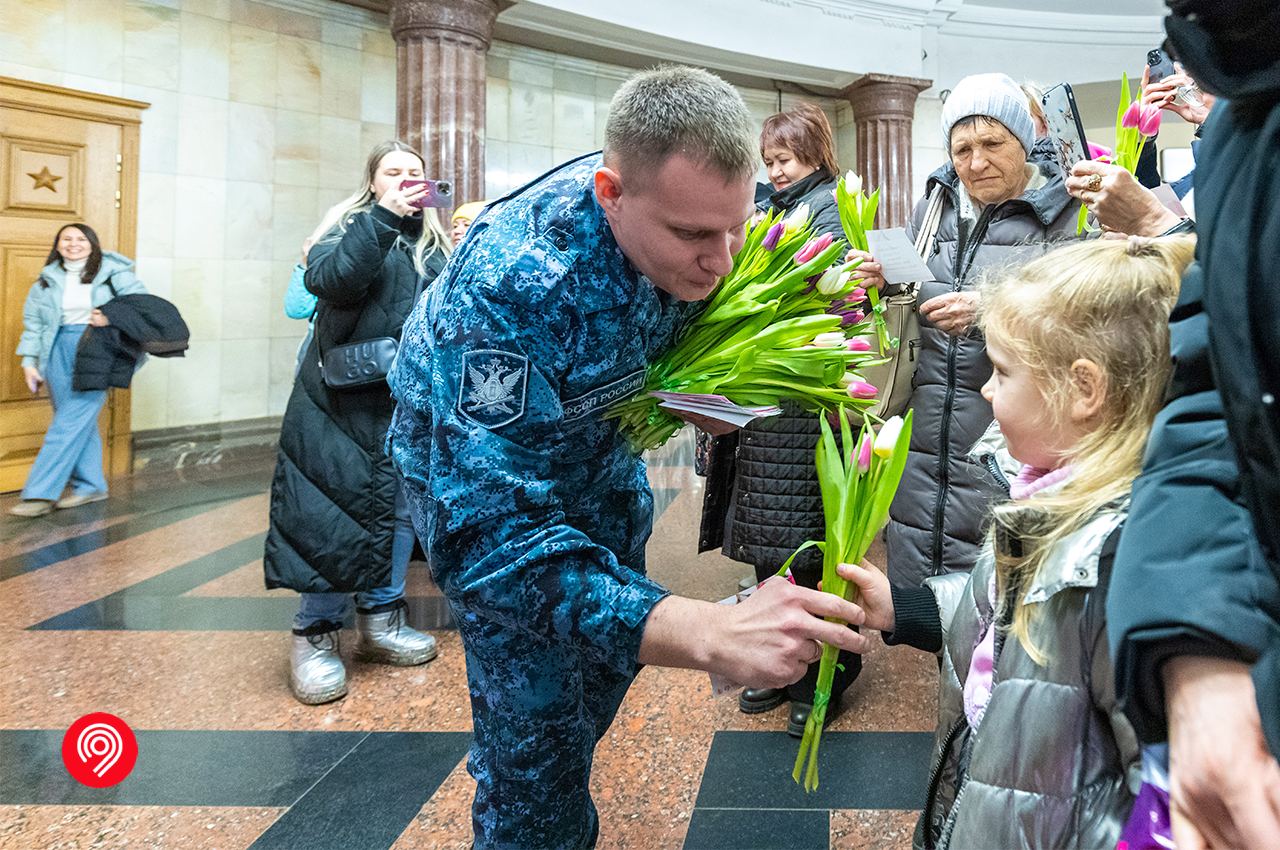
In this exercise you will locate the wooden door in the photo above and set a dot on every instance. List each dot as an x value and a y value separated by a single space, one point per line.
65 156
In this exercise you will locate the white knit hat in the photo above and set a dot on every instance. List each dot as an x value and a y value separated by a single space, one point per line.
996 96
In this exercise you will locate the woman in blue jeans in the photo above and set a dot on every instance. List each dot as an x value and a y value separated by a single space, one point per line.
78 278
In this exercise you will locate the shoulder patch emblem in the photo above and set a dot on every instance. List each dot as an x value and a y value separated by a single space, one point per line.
492 390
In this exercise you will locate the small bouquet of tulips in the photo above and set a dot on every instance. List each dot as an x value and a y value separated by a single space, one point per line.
857 216
766 334
1135 123
858 480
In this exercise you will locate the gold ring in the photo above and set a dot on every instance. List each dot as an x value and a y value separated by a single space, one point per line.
1095 183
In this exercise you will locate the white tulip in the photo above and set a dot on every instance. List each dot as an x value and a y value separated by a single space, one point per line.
830 339
887 439
852 183
799 218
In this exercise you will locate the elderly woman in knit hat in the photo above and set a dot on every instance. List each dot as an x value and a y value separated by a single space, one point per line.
999 208
462 218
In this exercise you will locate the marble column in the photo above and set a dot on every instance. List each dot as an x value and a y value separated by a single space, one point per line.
883 107
440 86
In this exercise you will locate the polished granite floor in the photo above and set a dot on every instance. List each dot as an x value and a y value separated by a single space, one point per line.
150 606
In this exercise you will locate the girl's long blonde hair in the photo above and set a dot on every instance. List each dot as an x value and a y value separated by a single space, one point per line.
1107 301
433 238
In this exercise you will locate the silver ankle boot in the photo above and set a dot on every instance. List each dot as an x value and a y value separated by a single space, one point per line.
316 673
386 638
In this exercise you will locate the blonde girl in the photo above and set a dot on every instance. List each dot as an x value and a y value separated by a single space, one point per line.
1031 749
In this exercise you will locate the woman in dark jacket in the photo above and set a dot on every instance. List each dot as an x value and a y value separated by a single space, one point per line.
1002 205
762 500
339 523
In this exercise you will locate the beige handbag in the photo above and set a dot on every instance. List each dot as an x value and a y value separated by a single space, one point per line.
894 377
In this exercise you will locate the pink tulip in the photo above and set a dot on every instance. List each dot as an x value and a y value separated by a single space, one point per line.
813 248
1132 116
861 389
1149 121
858 344
1099 152
864 455
856 296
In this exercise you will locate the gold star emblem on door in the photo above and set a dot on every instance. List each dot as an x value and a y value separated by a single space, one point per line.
44 179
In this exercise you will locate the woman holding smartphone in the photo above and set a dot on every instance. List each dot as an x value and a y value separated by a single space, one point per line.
339 524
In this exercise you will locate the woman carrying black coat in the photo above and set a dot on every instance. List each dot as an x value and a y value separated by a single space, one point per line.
762 499
339 523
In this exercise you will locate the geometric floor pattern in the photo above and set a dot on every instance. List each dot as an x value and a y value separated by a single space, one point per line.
151 606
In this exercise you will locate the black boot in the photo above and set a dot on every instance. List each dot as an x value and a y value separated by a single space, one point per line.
759 700
800 712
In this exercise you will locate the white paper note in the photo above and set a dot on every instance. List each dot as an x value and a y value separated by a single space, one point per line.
715 407
894 251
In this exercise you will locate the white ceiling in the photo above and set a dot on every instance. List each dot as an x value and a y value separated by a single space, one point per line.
1080 7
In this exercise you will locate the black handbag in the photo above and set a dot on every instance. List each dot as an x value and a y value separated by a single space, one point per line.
357 364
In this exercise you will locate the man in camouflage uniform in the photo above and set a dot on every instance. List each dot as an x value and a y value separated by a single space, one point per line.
534 511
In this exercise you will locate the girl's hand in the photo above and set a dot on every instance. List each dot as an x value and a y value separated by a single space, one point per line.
33 377
398 200
868 272
98 319
874 597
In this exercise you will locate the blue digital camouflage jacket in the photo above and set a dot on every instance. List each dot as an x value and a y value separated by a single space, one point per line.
534 511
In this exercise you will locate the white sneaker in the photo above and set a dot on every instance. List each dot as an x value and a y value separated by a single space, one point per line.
75 500
32 508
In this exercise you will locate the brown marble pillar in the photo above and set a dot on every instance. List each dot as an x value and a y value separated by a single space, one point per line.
883 107
440 84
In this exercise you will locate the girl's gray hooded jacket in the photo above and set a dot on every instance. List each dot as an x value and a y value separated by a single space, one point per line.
937 516
42 311
1053 763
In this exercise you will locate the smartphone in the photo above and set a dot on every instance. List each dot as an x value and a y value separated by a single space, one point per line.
1161 66
439 192
1063 120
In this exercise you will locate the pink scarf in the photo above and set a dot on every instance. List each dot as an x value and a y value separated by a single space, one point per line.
977 687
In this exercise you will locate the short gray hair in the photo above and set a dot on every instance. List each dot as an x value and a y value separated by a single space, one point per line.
676 109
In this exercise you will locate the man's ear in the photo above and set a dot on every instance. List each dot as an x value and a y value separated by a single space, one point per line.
1090 390
608 188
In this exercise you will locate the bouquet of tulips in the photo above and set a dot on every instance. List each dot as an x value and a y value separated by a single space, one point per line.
1135 123
857 216
858 480
765 334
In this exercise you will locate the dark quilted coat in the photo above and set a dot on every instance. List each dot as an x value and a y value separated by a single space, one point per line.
333 494
937 519
762 499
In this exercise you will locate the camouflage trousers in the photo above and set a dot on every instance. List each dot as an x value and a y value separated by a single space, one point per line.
537 710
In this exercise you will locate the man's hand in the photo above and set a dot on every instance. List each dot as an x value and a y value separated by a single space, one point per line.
1224 782
951 312
1120 202
714 427
766 641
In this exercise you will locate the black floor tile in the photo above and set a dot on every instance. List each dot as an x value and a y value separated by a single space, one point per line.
856 770
368 799
178 768
769 829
